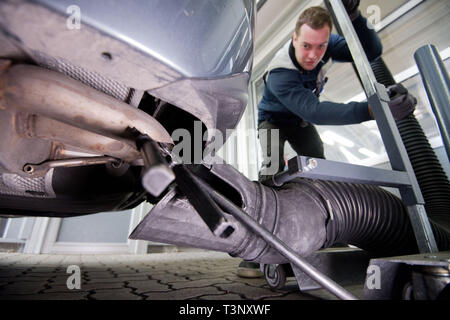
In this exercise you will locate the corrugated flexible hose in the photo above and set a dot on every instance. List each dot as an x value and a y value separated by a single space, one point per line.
370 218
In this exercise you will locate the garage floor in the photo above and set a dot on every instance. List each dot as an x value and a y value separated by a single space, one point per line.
158 276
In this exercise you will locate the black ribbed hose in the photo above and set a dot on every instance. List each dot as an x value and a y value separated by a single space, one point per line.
370 218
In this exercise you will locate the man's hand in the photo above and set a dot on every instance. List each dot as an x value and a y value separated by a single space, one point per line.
402 104
352 8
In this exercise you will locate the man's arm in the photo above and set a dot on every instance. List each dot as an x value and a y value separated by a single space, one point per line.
371 43
287 86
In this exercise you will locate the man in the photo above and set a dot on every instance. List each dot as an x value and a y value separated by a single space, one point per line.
295 79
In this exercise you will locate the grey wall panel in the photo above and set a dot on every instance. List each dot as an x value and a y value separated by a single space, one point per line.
103 227
3 222
442 156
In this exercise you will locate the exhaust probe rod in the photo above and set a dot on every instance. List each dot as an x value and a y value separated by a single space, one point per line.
276 243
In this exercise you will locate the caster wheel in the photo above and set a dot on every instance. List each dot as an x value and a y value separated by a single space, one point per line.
275 275
408 292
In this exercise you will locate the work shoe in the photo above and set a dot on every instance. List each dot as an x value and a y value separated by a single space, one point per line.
249 270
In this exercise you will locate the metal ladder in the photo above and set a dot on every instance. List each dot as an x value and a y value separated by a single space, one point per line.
402 175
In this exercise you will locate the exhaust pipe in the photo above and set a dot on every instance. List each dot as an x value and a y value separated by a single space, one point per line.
49 129
39 91
307 215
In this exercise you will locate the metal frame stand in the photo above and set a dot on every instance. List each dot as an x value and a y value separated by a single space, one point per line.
437 84
402 176
398 157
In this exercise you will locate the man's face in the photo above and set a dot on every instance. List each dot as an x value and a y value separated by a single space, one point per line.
310 45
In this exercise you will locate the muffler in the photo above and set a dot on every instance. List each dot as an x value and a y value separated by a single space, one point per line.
57 117
46 93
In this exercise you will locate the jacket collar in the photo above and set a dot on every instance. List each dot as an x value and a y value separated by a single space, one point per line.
297 65
294 59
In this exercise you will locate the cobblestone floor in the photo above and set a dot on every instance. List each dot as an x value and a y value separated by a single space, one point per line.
157 276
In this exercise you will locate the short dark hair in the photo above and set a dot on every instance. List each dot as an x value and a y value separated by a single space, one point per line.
315 17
